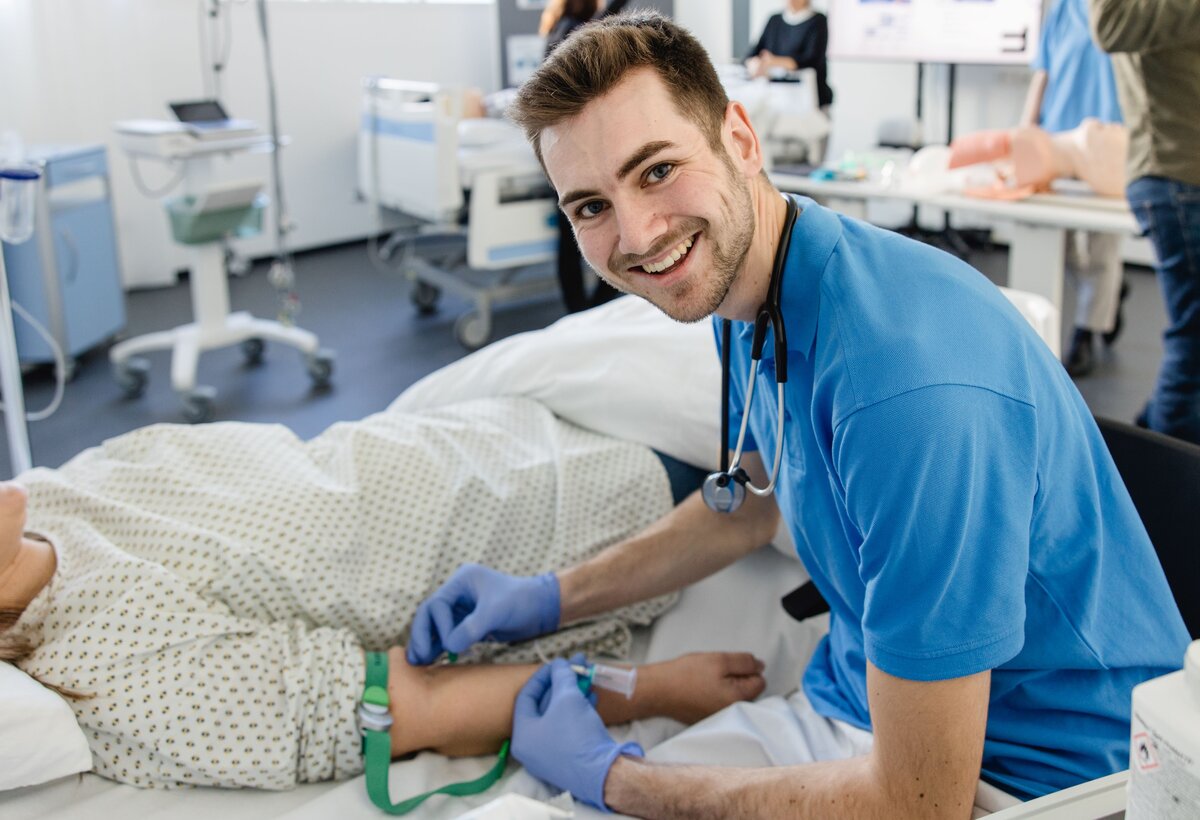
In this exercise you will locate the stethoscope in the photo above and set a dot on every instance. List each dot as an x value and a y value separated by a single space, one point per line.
725 490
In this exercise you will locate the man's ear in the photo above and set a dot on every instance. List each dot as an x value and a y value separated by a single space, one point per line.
741 140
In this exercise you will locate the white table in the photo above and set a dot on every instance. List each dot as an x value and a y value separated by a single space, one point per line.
1039 224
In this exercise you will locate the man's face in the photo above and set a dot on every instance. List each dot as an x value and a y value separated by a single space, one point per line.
656 211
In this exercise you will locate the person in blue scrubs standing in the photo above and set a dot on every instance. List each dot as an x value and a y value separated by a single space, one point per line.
994 597
1072 81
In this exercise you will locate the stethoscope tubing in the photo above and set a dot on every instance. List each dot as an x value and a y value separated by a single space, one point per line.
762 492
723 490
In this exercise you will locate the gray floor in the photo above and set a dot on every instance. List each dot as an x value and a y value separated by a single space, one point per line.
382 346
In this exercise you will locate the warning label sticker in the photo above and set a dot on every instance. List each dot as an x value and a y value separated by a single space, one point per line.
1144 753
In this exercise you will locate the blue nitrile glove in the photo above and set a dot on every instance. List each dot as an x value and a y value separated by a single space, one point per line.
559 737
478 603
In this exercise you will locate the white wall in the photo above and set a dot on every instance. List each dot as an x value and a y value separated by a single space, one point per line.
70 68
711 23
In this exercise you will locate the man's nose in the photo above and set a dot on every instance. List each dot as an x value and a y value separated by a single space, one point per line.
640 226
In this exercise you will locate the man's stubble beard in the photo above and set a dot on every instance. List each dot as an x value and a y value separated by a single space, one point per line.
727 256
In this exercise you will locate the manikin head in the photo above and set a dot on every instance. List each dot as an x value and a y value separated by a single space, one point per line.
656 170
795 6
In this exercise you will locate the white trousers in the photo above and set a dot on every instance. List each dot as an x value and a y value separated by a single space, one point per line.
779 731
775 731
1095 261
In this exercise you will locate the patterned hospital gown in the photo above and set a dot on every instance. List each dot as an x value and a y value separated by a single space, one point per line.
216 585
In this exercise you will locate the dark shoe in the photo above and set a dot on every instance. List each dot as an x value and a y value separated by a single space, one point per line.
1143 418
1111 336
1081 359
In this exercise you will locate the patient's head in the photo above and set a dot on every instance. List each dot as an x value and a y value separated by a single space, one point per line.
597 57
12 525
26 564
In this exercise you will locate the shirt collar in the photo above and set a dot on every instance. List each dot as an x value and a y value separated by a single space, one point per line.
795 18
814 238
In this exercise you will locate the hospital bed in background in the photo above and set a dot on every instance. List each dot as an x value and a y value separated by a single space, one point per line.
785 112
480 219
660 386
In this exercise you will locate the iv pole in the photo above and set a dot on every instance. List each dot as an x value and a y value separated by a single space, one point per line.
19 456
281 275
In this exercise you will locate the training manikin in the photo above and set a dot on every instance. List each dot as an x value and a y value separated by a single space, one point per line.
1028 159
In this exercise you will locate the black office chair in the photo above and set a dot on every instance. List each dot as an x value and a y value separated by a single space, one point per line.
1162 475
1163 478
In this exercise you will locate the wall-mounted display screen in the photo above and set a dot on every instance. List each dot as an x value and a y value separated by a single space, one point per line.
936 31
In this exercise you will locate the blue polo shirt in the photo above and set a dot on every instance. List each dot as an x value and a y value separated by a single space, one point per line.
953 500
1079 76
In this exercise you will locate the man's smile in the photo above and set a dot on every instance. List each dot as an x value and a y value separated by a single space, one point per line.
670 258
663 267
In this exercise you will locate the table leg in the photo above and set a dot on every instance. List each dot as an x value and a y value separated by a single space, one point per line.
1036 261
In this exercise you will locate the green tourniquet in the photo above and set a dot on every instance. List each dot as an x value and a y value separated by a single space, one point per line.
376 695
377 751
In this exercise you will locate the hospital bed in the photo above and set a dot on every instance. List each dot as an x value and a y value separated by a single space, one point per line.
659 386
785 112
481 220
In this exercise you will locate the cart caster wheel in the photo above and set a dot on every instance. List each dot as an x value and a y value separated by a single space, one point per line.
70 369
425 297
472 330
131 376
252 350
320 368
198 405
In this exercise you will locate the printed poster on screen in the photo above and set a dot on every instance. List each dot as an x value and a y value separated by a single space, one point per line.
936 31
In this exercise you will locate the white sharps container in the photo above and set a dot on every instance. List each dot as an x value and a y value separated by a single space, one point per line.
1164 752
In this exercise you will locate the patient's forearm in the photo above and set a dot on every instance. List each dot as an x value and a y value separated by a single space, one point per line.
689 543
467 710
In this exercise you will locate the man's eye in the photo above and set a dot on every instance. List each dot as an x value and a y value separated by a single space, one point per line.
591 209
661 171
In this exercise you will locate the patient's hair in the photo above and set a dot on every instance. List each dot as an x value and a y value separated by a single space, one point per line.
593 60
13 648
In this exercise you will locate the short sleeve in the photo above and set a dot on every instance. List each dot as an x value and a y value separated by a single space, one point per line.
941 483
1039 59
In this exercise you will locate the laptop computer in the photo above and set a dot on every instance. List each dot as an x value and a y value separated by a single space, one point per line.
206 119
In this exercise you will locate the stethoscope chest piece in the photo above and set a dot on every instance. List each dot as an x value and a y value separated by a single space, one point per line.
723 492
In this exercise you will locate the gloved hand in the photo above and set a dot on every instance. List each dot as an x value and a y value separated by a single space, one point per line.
478 603
559 737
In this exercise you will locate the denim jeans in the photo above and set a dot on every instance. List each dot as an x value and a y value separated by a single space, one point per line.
1168 211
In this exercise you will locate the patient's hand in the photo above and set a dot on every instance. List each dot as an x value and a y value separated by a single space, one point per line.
692 687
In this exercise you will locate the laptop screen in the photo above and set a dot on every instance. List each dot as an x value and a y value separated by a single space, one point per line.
199 111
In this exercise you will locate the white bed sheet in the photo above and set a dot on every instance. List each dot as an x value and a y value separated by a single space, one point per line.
737 610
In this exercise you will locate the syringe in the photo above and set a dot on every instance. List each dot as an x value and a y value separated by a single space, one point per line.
619 679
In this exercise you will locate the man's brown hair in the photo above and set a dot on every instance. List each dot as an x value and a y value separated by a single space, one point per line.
593 60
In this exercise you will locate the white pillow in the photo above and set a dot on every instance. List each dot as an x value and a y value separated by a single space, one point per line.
39 737
624 369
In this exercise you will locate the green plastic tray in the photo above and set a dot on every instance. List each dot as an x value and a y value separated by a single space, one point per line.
192 228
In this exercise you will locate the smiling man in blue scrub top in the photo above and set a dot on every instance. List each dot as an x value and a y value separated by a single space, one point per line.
994 597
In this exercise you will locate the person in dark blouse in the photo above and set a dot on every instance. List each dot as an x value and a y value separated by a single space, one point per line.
793 39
